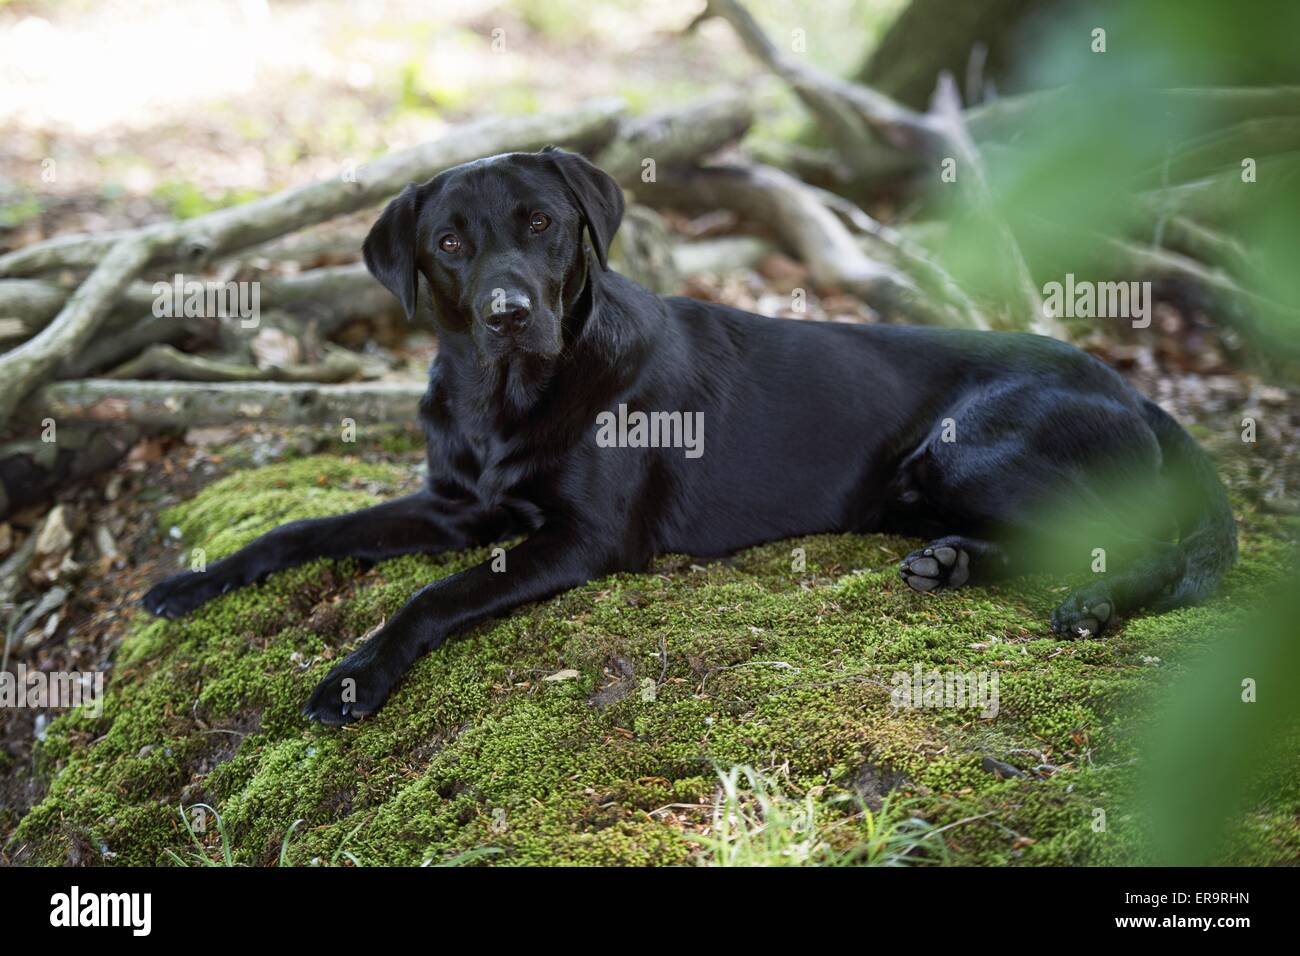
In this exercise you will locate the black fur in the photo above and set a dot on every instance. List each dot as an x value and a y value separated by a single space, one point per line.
809 427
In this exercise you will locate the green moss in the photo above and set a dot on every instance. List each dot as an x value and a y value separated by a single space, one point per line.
680 671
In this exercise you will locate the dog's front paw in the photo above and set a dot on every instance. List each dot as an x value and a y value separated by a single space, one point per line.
180 594
355 688
1085 613
932 568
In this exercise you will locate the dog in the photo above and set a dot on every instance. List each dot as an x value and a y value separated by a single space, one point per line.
976 442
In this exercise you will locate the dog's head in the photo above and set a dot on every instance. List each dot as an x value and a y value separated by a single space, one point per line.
499 241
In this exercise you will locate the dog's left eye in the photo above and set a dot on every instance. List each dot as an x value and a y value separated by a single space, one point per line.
539 222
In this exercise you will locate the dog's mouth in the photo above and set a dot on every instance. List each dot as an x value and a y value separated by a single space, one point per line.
540 339
542 352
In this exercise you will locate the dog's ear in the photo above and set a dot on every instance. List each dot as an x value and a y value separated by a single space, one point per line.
597 195
389 249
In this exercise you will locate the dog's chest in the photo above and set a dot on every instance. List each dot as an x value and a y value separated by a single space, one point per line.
500 470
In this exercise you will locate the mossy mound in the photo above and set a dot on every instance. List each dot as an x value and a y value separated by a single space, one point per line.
489 743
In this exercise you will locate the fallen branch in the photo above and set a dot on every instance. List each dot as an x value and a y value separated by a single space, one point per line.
728 253
1209 245
1216 199
163 361
24 367
193 242
644 249
1252 310
948 121
335 294
32 303
676 138
860 119
911 256
808 230
1005 117
722 254
36 301
332 241
187 404
790 209
817 166
107 351
851 113
1223 148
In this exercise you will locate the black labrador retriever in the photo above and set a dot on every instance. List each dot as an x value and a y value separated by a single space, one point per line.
569 406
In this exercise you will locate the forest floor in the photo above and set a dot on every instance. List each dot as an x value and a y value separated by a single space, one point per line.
592 728
601 726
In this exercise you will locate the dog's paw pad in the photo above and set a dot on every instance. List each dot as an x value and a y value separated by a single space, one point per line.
930 569
926 567
1082 615
1085 628
918 583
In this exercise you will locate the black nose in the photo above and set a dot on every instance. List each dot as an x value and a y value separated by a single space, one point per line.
508 315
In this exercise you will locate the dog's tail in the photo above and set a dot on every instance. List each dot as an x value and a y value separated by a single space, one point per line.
1207 531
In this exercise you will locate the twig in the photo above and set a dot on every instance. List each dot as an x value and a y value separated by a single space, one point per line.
14 568
1207 244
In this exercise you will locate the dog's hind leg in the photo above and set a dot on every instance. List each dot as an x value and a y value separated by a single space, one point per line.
1144 576
1057 479
1159 574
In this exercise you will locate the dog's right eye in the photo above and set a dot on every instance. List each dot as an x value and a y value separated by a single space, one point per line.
449 243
